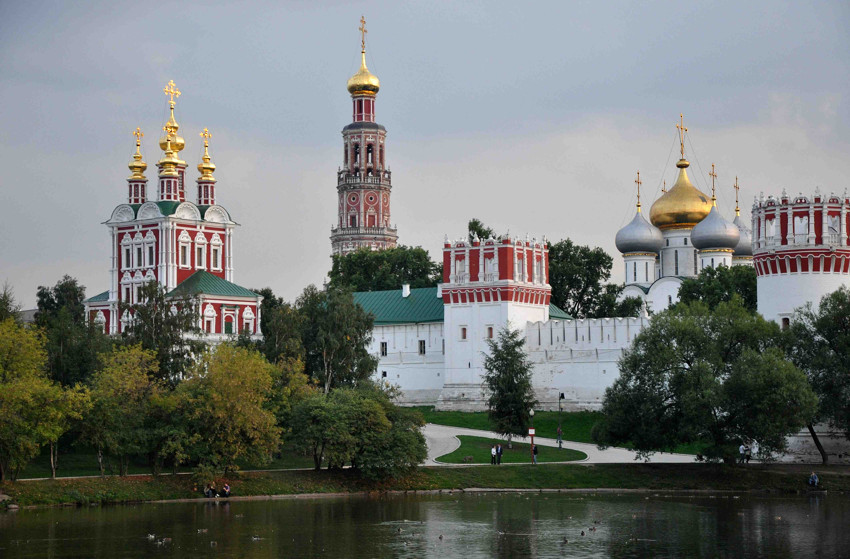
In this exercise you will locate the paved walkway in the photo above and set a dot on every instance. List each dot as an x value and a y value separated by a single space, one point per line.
442 439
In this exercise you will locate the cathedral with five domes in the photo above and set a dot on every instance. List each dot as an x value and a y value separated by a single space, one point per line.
685 234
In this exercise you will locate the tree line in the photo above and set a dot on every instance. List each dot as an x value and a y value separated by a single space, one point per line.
159 393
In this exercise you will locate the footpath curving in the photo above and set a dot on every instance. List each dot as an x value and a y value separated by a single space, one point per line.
442 439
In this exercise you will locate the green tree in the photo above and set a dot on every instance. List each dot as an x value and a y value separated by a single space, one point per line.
477 229
715 378
577 275
168 326
336 333
281 324
9 307
33 410
715 285
508 379
123 393
820 345
379 270
225 403
609 304
72 344
360 427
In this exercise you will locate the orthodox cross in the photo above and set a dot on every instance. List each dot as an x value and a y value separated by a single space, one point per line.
713 176
363 32
737 188
138 134
638 182
206 136
172 92
682 130
664 187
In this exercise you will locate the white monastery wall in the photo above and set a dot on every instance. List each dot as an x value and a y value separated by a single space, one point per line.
420 376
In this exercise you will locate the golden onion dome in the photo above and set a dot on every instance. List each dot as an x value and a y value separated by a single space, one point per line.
169 162
682 206
363 82
137 166
177 142
206 166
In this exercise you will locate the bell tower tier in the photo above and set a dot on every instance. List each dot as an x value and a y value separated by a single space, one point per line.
364 181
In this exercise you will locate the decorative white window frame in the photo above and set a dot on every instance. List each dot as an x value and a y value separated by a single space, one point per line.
200 251
150 250
126 252
248 320
216 259
184 258
209 319
100 321
383 349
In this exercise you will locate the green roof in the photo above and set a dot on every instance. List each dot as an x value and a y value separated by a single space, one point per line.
99 298
168 207
422 305
389 307
205 283
557 314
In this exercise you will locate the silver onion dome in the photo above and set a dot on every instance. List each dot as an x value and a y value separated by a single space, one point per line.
715 232
639 236
745 243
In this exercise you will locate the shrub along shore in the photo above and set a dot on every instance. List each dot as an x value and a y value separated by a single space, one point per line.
778 478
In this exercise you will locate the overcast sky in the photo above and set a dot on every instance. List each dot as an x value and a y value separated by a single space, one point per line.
531 116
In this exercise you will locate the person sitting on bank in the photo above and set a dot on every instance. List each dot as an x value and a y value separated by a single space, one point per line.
813 481
225 491
208 492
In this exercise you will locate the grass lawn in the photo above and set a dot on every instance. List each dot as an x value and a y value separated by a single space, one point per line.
780 478
575 426
479 449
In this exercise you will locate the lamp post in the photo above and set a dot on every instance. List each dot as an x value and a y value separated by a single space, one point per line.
560 399
531 433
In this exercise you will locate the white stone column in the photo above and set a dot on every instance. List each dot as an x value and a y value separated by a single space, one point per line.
810 239
843 225
824 222
789 230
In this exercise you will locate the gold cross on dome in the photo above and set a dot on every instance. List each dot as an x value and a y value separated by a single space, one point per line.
682 130
363 32
713 176
737 188
664 187
138 134
206 136
638 182
172 92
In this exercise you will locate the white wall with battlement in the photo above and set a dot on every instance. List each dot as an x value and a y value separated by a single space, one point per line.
420 376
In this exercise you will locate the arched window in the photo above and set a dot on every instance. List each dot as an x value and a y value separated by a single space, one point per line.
675 262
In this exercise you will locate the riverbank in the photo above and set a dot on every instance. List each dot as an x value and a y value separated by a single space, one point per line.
654 477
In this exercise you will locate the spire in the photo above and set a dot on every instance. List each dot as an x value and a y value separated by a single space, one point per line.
206 167
638 183
137 166
171 127
206 182
737 188
363 82
713 176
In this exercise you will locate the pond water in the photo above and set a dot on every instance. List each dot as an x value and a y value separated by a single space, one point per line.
448 525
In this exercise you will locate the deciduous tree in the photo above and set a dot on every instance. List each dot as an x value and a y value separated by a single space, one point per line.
72 344
715 285
168 327
715 378
336 333
819 341
577 275
379 270
225 403
508 380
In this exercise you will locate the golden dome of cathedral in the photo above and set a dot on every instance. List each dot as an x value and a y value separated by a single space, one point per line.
364 81
682 206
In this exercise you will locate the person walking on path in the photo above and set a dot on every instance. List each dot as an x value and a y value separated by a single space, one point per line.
493 455
534 454
499 451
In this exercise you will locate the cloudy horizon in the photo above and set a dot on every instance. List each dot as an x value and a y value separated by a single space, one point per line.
532 118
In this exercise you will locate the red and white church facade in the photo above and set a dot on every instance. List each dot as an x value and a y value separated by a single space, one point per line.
185 246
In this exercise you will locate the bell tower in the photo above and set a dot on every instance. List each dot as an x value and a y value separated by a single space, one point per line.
364 180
